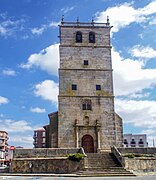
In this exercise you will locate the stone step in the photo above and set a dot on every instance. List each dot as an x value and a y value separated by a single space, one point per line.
111 170
96 164
103 160
104 173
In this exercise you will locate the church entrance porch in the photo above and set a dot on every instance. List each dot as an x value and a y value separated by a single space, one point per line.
88 143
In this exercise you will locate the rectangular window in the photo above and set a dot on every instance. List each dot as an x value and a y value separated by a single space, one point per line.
35 134
86 62
43 134
88 106
84 106
98 87
43 140
74 87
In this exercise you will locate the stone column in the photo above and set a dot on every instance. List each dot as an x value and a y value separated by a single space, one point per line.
98 134
77 133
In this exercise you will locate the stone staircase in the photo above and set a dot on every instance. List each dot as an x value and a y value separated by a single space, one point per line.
103 164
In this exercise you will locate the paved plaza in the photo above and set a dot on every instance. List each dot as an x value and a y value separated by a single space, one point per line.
145 177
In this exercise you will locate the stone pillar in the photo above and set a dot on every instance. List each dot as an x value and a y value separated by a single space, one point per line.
77 133
98 134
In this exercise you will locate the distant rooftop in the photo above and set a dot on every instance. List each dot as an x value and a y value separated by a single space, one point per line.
40 129
2 131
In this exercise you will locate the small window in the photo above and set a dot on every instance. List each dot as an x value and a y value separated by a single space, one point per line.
43 140
133 142
141 141
79 37
98 87
91 37
74 87
35 133
86 105
86 62
125 141
43 134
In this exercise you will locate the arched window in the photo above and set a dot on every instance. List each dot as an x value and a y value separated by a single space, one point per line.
79 37
91 37
133 143
86 105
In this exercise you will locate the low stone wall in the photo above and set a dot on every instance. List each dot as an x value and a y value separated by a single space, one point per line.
144 164
140 164
45 152
149 150
48 165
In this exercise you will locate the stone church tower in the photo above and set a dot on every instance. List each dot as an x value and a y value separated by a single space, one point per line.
85 116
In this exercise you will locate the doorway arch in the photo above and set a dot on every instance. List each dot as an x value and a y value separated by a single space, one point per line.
88 143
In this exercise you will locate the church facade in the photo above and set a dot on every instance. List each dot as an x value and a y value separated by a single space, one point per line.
86 116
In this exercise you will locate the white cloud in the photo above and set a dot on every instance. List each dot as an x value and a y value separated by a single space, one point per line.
20 132
3 31
24 141
9 26
143 52
149 131
9 125
149 9
38 31
138 113
47 60
47 90
9 72
54 24
153 22
37 110
67 9
130 77
123 15
3 100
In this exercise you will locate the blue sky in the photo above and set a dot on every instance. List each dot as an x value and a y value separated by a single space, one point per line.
29 60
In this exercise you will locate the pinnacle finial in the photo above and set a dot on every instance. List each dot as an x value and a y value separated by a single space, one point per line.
92 20
62 19
107 20
78 19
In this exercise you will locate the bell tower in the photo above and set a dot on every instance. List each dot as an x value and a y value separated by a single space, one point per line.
86 116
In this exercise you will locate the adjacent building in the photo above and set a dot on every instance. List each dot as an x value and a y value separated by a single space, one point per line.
3 140
135 140
39 138
3 144
52 131
86 116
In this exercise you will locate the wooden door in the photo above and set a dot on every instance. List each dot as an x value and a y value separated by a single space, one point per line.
88 144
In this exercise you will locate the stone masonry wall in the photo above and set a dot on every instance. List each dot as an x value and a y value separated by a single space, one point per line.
140 164
67 35
104 115
45 165
119 131
73 57
86 81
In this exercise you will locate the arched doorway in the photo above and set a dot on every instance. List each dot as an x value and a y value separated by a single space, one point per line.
88 143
